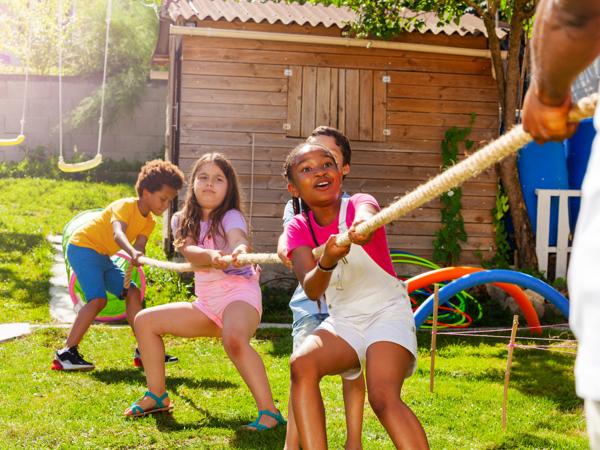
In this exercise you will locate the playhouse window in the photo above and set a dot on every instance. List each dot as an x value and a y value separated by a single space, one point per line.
351 100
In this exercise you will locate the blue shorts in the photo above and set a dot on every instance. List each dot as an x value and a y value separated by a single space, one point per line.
304 327
97 274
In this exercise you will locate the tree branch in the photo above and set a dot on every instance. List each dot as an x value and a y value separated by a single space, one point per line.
490 25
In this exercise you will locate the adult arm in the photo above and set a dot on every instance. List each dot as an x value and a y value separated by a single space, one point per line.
566 39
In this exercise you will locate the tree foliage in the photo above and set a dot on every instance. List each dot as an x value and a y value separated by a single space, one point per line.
133 32
388 18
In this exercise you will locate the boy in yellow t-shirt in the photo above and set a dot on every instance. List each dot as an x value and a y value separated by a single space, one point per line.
125 225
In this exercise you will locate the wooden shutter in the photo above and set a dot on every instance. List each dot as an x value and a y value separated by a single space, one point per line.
351 100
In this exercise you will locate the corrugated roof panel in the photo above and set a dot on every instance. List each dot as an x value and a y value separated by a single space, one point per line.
307 13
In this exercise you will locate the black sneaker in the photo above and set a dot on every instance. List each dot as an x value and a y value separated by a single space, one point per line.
70 359
137 359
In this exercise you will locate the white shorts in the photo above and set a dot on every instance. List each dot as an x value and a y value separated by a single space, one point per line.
390 324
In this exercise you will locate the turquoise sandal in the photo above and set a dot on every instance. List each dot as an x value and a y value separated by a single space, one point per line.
159 406
257 426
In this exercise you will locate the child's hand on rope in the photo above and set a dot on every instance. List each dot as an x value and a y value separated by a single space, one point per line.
359 238
333 252
239 250
135 257
216 260
282 253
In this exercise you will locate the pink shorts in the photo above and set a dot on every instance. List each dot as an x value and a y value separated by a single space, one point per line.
216 295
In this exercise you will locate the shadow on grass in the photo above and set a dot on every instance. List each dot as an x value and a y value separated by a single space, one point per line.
166 422
243 438
280 339
524 440
535 373
6 274
268 439
489 375
12 243
134 375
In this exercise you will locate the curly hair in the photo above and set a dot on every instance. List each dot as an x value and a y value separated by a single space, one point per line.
191 213
157 173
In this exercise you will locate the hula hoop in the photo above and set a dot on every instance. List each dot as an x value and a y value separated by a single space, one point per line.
453 273
492 276
403 257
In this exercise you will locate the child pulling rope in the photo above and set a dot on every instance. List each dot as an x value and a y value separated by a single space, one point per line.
472 166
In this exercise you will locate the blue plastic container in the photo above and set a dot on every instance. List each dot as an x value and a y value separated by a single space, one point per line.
542 167
578 149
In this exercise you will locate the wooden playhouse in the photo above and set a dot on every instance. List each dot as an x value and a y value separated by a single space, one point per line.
252 79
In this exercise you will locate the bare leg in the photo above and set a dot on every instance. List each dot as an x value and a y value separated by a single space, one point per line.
178 319
321 354
133 304
354 404
84 319
240 321
387 366
292 440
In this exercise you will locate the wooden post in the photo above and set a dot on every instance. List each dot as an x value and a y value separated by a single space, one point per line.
511 347
436 301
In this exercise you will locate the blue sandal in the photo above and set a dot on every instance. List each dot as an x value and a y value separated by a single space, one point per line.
257 426
159 406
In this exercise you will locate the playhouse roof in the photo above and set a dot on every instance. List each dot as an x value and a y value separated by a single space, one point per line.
303 14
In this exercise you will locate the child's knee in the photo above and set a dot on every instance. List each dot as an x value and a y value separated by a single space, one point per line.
302 368
97 304
142 320
234 343
381 397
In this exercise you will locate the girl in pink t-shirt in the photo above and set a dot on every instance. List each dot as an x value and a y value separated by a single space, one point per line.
228 303
370 323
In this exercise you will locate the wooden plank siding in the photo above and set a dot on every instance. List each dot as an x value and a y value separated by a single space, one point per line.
234 89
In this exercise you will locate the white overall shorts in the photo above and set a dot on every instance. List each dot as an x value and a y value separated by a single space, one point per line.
367 304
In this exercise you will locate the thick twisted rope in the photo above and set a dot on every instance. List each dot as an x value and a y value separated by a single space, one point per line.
456 175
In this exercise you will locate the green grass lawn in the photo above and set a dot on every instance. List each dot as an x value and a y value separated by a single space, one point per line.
45 409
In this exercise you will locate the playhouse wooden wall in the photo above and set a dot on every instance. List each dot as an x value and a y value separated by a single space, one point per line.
235 92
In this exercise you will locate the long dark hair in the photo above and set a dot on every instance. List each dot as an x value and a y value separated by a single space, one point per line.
191 213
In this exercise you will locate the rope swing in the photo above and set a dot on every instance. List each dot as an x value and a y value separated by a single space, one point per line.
96 160
21 137
470 167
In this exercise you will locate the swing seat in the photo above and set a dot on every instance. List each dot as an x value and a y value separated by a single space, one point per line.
12 142
80 166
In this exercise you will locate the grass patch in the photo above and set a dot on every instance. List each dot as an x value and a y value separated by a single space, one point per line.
30 210
45 409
